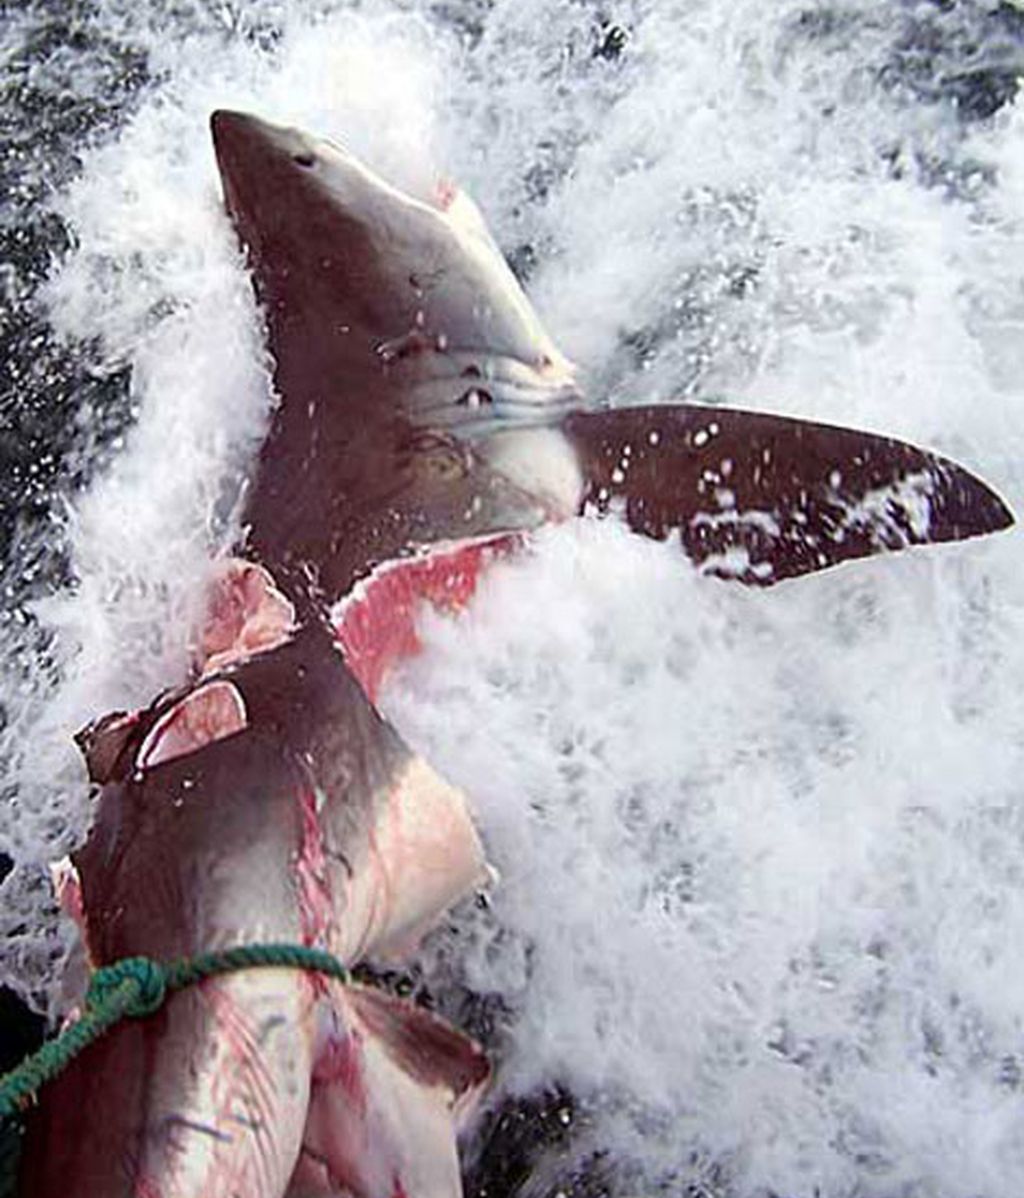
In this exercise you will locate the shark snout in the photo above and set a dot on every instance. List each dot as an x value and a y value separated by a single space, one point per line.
232 131
265 166
225 121
243 142
239 138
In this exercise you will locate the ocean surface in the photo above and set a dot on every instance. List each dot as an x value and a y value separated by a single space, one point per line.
759 924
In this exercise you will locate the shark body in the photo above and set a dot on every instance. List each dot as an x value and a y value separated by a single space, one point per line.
426 422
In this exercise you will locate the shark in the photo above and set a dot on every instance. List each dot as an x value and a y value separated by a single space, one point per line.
426 424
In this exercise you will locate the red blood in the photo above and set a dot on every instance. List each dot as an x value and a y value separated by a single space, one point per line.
376 625
340 1062
316 906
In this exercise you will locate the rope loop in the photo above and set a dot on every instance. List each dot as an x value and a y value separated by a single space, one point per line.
145 995
136 987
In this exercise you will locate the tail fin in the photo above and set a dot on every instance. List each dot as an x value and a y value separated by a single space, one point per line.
760 498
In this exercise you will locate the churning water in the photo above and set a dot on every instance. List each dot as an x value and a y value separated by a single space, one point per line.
761 905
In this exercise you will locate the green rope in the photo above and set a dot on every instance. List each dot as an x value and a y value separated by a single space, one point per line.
136 987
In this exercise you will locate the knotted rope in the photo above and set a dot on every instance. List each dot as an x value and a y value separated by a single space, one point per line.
134 987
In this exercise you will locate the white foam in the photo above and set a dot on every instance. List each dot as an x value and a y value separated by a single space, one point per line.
750 851
761 894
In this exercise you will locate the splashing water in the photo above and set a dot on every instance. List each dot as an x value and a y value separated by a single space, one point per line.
761 854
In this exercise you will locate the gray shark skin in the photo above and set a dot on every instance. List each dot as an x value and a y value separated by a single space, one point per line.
422 401
424 417
266 801
395 327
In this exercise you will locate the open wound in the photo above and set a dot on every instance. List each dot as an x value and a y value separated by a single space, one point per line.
211 713
375 624
245 614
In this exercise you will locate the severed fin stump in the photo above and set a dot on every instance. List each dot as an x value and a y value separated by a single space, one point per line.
759 498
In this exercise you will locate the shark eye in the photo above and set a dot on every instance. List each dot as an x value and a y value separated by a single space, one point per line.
304 158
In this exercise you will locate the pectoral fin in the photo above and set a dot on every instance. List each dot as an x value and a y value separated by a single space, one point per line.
760 498
390 1087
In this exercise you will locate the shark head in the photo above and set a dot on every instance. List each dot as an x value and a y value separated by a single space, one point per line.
388 286
422 402
405 354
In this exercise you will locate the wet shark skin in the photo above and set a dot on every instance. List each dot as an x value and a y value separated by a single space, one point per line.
402 277
214 1086
423 403
304 708
312 824
761 498
384 1098
373 302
